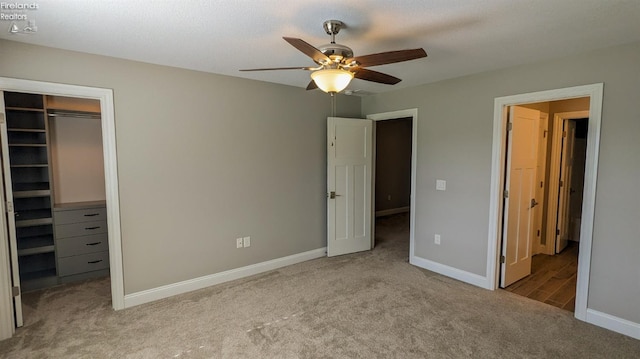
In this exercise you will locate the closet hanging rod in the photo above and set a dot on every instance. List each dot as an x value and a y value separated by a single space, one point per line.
88 115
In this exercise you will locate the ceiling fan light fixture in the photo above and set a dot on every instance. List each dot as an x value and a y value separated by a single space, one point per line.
332 80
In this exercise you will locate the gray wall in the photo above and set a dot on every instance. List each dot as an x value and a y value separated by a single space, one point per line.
203 159
454 143
393 164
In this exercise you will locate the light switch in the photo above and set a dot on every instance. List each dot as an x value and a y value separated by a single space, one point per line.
441 185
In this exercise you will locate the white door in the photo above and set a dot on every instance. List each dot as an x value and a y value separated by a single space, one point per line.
349 171
522 154
11 219
564 197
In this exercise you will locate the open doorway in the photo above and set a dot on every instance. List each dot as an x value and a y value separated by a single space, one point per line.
394 179
543 194
351 158
10 303
54 183
392 184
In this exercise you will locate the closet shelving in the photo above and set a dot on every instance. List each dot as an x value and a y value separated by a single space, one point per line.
29 160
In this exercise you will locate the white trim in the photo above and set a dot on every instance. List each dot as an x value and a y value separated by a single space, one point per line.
613 323
105 96
7 325
9 228
595 93
452 272
498 152
589 201
150 295
388 212
413 113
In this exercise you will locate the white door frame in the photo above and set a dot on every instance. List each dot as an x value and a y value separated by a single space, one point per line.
595 94
554 175
413 113
105 96
7 322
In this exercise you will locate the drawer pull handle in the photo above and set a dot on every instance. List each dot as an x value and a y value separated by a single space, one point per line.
94 262
91 214
91 228
93 244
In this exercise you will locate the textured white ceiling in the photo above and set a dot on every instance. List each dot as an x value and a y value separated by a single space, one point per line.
222 36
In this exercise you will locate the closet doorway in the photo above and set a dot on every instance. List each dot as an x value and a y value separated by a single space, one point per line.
60 188
394 179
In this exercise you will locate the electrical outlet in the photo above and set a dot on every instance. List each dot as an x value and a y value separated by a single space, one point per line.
441 185
246 241
238 242
436 239
389 198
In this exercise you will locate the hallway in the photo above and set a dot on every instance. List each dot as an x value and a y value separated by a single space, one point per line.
552 279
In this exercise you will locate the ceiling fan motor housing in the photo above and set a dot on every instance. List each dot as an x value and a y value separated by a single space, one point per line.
336 52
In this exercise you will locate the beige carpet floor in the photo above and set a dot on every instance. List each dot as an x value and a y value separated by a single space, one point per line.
366 305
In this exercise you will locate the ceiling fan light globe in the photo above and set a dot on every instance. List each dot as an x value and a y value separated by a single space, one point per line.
332 80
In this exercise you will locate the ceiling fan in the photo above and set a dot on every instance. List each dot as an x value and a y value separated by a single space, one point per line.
337 66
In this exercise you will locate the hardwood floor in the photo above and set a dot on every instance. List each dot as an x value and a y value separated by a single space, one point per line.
552 279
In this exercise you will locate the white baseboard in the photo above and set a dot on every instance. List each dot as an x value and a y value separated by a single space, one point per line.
388 212
454 273
594 317
150 295
612 323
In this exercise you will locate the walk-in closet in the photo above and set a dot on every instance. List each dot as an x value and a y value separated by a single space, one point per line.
54 186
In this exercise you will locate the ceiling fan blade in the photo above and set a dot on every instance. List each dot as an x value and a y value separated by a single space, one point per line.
389 57
375 76
312 85
281 68
308 50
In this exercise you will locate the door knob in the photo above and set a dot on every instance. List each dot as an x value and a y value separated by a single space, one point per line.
533 202
333 195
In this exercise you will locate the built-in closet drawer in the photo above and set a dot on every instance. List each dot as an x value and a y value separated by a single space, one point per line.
83 263
74 246
80 229
80 215
82 241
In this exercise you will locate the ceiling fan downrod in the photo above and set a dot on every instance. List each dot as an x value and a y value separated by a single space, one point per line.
332 27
